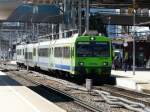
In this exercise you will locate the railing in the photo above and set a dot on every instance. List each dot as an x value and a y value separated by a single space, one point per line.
54 36
120 13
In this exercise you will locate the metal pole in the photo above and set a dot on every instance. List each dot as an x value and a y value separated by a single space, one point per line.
52 31
133 37
33 31
79 17
65 5
26 48
87 15
73 14
10 45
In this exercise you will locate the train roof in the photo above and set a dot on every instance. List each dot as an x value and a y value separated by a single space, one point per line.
30 45
43 43
97 38
72 39
65 40
19 46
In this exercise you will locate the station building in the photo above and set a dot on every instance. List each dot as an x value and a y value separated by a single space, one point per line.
142 45
4 48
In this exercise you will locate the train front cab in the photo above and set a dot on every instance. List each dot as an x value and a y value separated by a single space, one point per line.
93 57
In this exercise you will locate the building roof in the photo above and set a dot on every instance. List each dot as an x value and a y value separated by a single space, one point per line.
36 13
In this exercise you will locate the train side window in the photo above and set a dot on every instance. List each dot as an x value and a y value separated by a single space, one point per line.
55 53
52 51
34 52
58 52
46 52
21 51
39 52
43 52
49 51
66 52
72 52
17 51
30 55
26 55
26 50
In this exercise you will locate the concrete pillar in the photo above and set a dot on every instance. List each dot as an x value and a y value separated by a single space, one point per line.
89 84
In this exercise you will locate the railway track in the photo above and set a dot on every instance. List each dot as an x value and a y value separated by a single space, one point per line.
140 97
76 100
117 92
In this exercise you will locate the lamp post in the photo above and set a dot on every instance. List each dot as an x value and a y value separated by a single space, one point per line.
133 37
87 15
9 53
79 17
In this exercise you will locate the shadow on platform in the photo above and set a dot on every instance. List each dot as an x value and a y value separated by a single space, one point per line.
43 91
49 94
7 81
117 76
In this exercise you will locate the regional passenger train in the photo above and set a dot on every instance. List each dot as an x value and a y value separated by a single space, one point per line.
78 55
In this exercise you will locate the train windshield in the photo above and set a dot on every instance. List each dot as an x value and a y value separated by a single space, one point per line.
93 49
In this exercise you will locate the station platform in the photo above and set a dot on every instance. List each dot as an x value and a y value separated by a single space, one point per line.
140 81
17 98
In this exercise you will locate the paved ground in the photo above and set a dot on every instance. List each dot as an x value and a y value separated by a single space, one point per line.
17 98
141 78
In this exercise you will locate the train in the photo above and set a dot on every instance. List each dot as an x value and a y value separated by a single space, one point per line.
84 56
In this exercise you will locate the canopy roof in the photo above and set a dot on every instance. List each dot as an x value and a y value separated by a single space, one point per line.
37 14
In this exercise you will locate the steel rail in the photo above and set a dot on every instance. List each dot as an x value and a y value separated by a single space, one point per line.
75 99
126 93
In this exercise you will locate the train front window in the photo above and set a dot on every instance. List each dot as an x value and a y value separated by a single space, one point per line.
84 49
93 49
101 49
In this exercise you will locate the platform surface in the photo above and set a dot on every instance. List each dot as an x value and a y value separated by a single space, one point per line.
141 79
17 98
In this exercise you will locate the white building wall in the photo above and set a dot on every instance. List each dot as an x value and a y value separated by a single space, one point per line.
4 48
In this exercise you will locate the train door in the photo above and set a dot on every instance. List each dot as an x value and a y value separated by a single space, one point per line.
34 56
72 58
50 57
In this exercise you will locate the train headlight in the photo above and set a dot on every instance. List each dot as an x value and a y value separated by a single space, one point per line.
105 63
81 64
92 38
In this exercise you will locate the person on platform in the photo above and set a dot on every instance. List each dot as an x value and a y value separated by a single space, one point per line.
126 61
115 62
